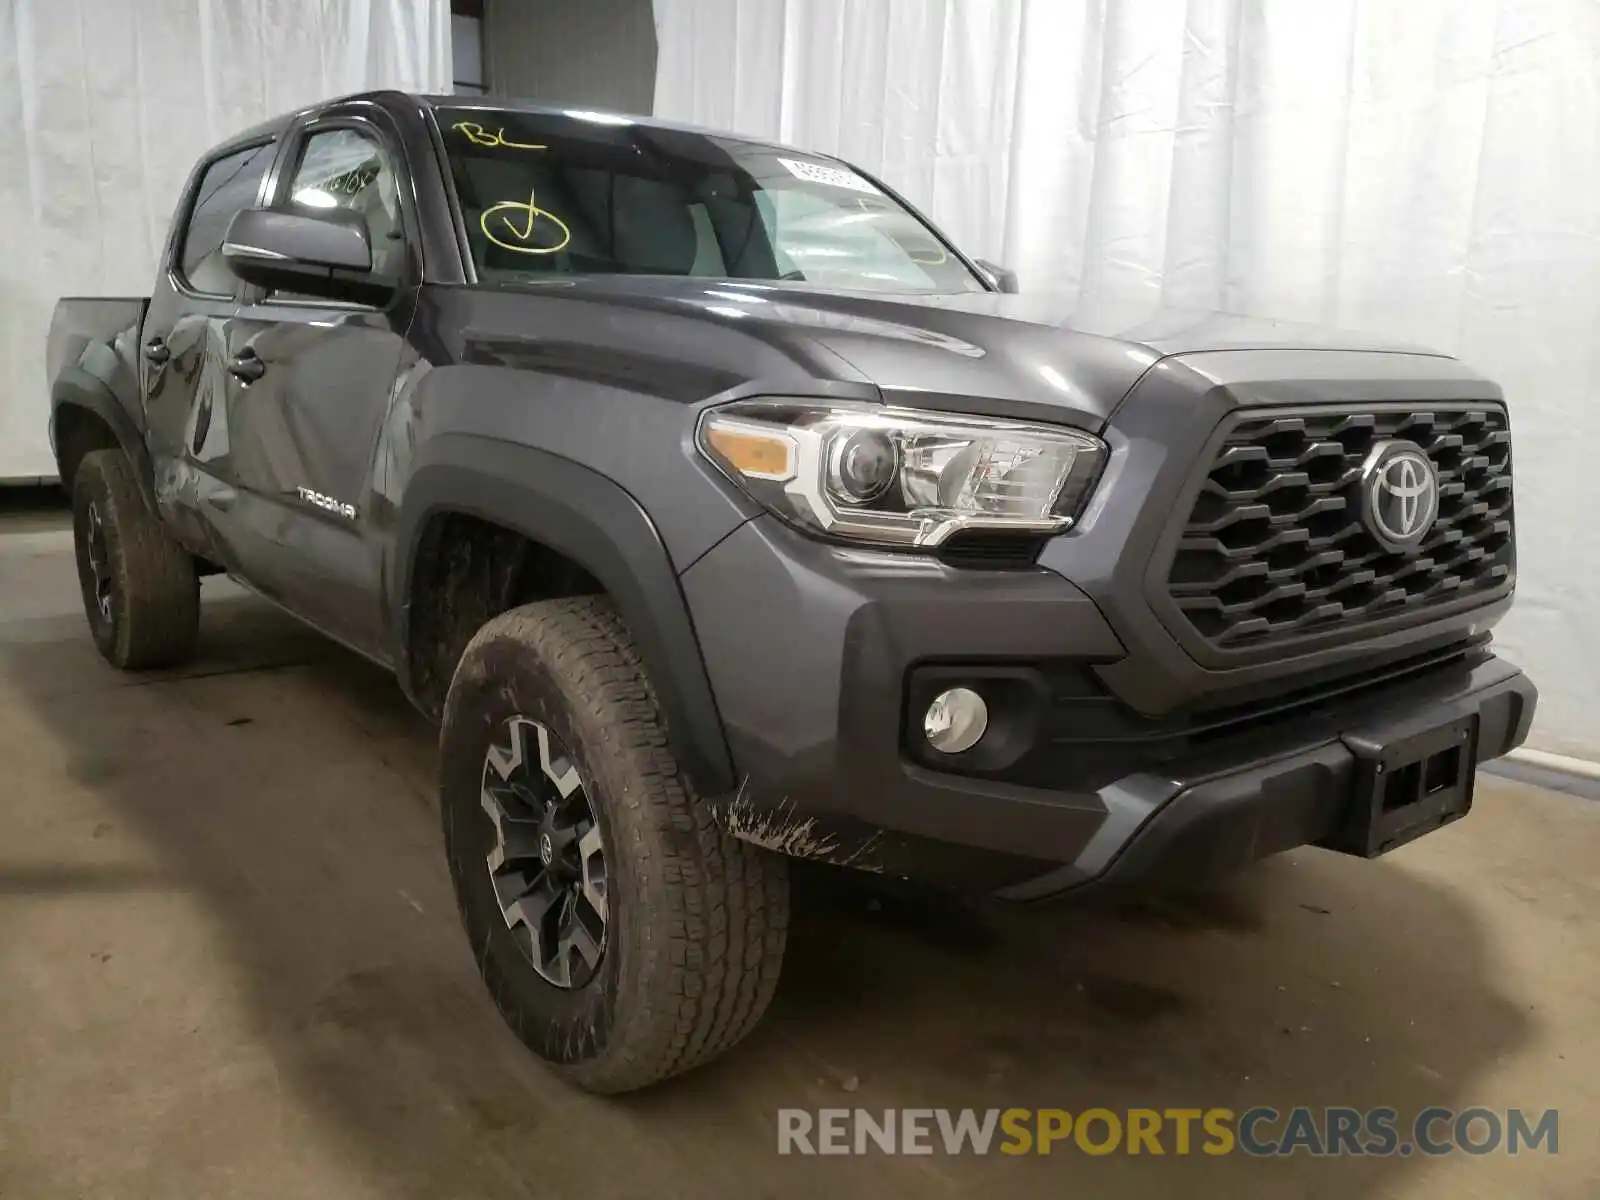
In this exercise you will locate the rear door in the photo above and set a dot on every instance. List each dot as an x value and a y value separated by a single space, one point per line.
183 352
312 383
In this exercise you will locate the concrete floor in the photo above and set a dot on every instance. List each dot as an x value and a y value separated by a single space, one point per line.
230 967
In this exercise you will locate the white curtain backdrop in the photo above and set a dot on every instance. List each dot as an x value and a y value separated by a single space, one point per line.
1423 168
105 106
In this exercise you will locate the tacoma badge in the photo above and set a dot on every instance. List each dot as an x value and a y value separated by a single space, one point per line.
338 507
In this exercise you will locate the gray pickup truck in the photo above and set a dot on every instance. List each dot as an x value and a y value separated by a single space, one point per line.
720 510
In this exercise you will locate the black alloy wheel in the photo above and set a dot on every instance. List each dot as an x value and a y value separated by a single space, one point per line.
98 555
547 863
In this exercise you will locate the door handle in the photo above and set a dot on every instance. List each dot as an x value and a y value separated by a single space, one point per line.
157 351
246 365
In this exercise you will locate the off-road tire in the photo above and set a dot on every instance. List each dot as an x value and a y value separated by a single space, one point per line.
697 919
154 591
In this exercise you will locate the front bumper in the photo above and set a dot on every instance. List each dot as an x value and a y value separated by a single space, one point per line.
811 651
1215 816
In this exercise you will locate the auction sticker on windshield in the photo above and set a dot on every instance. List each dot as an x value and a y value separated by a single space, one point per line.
832 176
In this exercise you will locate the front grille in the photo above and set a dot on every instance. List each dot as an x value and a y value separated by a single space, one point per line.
1275 546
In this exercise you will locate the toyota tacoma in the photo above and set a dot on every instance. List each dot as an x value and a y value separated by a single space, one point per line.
720 511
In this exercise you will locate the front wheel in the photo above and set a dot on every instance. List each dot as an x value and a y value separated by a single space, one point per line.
623 936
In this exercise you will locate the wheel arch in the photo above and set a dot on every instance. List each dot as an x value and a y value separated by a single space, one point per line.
86 416
595 523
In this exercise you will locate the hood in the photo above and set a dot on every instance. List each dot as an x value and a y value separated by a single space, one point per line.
1033 350
1036 354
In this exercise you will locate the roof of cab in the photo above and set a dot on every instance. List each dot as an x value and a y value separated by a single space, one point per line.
275 126
602 116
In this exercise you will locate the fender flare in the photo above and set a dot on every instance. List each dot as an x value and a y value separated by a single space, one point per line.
594 522
76 388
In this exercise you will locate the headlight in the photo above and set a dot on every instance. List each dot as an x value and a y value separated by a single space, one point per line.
898 476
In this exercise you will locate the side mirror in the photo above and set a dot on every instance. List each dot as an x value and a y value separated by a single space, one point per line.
1003 278
327 254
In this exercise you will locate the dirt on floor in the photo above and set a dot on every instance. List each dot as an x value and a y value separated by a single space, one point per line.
230 966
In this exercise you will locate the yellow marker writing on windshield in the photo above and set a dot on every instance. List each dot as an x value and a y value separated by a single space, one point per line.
479 136
532 212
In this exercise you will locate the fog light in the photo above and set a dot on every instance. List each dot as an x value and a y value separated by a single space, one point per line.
955 720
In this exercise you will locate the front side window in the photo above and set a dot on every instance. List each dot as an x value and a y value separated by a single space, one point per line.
229 184
588 193
349 169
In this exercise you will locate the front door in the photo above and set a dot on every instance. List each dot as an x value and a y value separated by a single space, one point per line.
310 386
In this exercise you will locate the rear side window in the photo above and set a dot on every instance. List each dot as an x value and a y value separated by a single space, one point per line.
228 185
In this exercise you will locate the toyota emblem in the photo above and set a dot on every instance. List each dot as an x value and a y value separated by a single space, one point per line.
547 849
1399 495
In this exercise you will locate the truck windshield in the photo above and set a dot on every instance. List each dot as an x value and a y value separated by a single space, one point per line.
591 193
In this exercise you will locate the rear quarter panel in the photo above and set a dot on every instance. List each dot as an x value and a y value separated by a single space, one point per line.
92 360
99 336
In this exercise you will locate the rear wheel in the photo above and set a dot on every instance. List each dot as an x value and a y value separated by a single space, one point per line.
623 936
140 590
